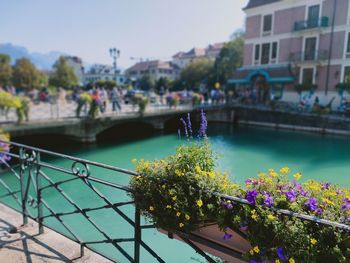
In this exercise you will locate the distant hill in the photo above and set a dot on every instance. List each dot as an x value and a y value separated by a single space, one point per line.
41 60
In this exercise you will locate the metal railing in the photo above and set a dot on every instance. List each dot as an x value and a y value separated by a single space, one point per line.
311 24
311 56
29 182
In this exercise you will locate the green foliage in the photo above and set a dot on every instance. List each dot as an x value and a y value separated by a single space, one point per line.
142 101
5 69
196 72
343 86
25 75
162 82
64 75
109 84
175 192
145 83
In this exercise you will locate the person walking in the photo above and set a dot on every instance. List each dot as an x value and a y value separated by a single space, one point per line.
115 97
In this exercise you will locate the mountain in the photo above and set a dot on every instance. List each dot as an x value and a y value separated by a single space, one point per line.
41 60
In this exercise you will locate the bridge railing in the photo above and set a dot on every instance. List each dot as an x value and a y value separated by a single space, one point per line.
52 192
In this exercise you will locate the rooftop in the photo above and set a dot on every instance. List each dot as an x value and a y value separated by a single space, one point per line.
255 3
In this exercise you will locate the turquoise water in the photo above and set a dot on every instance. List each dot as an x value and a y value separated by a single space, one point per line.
243 152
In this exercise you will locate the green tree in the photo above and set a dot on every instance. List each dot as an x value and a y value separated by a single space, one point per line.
25 75
162 82
229 59
146 83
63 75
5 69
197 72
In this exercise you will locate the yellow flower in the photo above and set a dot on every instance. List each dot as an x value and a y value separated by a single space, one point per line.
327 201
163 186
174 198
197 169
313 241
254 215
200 203
138 177
277 261
151 208
168 206
146 165
261 175
256 249
187 217
178 214
134 160
284 170
271 217
273 174
291 260
211 174
251 252
297 176
181 225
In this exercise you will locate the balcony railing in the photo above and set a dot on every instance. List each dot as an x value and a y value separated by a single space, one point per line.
311 24
313 56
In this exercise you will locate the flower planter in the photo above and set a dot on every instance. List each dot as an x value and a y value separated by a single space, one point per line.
210 239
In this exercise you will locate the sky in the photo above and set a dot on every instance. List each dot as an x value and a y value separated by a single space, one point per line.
148 29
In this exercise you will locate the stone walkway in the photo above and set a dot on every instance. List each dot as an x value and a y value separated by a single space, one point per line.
28 247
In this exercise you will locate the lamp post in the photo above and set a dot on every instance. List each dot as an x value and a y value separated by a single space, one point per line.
115 54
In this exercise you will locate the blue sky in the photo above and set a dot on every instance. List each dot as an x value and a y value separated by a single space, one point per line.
139 28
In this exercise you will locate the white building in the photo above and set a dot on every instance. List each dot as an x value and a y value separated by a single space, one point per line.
99 72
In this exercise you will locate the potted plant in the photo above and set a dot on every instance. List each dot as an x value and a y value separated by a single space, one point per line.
265 221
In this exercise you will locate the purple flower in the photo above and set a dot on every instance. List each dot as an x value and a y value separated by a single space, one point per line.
325 186
268 200
280 254
251 196
227 205
243 228
227 236
253 261
185 126
291 195
339 192
189 124
346 205
202 132
311 203
319 211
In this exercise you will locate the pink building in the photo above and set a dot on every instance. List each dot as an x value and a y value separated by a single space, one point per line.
290 42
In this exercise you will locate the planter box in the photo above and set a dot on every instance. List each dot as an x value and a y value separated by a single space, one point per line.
210 239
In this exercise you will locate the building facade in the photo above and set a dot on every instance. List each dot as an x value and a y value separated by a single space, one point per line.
291 43
155 69
99 72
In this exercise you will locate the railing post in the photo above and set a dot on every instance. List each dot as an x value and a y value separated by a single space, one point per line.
22 164
38 193
137 237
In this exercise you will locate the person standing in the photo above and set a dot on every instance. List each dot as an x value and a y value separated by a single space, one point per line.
115 97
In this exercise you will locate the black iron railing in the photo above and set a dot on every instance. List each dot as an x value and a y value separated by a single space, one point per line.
30 179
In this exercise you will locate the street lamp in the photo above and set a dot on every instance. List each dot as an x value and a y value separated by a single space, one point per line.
115 54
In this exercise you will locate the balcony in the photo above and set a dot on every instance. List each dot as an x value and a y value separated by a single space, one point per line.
311 24
305 57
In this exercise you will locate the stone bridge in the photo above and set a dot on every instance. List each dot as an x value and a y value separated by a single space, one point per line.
87 130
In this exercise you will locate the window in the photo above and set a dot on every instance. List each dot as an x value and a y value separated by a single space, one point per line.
274 50
265 53
313 16
346 74
267 23
348 44
257 53
308 76
310 48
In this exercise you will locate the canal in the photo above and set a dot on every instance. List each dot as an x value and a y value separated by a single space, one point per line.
243 152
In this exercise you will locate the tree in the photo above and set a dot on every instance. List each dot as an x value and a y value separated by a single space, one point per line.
146 83
25 75
63 75
162 82
229 59
5 69
196 72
